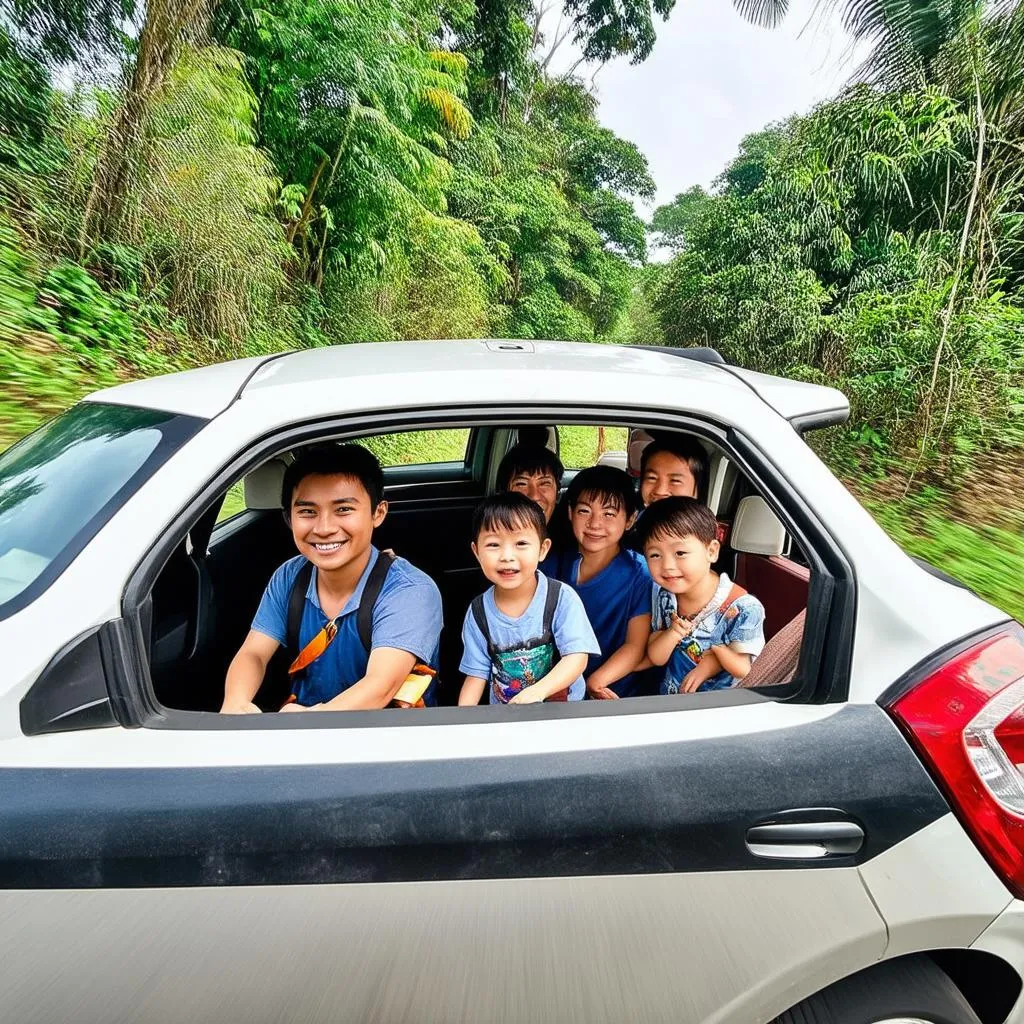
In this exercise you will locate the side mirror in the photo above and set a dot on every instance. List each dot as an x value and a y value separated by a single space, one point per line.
71 692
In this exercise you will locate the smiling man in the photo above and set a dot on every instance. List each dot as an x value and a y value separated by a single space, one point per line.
333 499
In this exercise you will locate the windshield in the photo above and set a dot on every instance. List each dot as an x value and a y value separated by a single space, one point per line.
62 483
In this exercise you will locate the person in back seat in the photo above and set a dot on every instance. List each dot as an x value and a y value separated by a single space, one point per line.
612 581
533 470
707 629
363 623
527 638
673 466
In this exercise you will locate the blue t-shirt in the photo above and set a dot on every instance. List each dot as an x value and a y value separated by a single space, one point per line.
572 633
616 595
407 616
740 626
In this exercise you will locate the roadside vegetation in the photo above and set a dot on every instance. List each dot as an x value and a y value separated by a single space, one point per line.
183 181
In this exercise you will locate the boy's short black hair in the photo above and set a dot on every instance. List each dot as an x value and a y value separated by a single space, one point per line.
687 449
350 460
608 485
677 517
509 511
529 459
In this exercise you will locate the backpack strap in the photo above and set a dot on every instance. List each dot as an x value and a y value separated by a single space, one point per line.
480 618
296 604
550 604
734 594
364 614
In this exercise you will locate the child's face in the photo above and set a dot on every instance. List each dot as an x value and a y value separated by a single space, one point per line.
667 476
509 558
539 487
332 520
680 564
597 524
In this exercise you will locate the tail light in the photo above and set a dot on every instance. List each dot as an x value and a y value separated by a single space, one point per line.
966 721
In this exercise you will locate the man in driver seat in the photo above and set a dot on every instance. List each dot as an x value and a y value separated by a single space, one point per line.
361 627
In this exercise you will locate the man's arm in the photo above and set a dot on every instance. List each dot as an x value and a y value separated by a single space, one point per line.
561 677
472 690
624 660
385 672
245 674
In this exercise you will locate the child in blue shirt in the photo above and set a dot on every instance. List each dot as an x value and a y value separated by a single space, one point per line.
612 581
707 630
333 499
527 638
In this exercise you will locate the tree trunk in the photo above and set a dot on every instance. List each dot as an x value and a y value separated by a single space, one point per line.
168 24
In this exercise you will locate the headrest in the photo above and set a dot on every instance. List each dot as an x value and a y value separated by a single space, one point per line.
263 485
756 529
616 459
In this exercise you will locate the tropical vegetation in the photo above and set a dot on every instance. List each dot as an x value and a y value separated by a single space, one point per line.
183 181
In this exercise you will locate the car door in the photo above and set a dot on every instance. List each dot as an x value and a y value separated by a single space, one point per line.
548 863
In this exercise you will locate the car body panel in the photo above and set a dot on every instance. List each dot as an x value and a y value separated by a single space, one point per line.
612 948
202 392
796 400
418 828
1004 938
934 889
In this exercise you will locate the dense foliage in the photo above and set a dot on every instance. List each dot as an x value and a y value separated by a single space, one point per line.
876 245
188 180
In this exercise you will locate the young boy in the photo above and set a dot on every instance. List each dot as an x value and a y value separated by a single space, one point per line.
612 581
673 465
333 499
527 638
707 630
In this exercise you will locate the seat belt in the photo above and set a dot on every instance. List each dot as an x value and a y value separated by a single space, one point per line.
364 614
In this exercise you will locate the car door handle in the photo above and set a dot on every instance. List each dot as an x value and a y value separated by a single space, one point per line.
805 840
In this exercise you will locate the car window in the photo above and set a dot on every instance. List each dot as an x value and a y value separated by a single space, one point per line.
579 447
419 447
62 483
234 502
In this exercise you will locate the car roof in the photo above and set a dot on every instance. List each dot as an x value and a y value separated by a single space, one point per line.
210 390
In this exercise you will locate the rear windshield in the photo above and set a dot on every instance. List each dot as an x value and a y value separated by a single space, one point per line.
62 483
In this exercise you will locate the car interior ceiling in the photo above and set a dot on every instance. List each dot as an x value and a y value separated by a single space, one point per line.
206 595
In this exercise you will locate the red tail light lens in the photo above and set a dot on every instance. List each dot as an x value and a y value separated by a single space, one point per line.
966 721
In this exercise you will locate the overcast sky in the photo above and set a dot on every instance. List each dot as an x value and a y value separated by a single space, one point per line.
713 78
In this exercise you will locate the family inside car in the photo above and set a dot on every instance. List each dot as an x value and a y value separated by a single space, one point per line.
608 594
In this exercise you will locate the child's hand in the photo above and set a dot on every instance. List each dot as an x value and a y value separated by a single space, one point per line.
601 692
245 707
692 681
681 627
527 696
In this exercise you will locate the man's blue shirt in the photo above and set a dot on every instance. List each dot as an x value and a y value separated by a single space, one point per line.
407 616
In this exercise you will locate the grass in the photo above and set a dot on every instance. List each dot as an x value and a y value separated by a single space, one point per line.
988 559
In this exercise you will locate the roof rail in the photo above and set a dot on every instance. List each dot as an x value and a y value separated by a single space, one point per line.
701 354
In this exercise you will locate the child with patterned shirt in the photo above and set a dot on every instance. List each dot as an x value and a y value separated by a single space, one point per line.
706 629
527 638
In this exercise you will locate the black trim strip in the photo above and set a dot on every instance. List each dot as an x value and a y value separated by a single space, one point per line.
818 420
256 369
673 807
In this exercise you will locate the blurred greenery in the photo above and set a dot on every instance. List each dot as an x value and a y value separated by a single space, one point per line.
181 184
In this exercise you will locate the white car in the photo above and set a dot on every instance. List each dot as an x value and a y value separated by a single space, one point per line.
842 842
